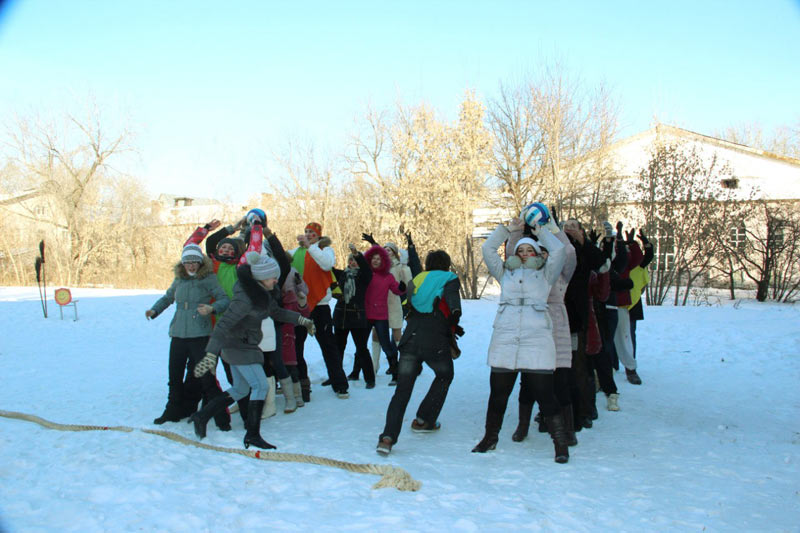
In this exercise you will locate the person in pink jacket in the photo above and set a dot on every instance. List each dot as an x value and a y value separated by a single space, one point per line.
376 302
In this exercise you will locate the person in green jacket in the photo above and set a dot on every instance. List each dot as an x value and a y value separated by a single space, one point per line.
194 288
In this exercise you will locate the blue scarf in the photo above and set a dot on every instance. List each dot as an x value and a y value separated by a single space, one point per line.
428 286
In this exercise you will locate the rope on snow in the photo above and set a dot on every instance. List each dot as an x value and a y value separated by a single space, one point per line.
391 476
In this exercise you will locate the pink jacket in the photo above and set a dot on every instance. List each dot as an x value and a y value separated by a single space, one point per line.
383 281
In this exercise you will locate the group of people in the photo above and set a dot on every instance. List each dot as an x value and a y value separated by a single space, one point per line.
566 317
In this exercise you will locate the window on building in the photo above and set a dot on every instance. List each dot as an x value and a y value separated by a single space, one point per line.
663 250
738 237
730 183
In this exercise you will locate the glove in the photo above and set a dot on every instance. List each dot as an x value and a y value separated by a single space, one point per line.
308 324
643 238
629 235
594 236
207 364
368 237
402 286
608 247
619 230
409 242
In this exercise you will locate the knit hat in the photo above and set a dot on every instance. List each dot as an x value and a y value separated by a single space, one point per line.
191 254
263 267
316 227
528 240
393 247
238 244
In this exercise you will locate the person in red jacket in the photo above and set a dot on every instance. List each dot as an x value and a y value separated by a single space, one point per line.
376 302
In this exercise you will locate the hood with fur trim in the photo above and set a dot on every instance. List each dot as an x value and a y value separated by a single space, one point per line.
386 263
258 294
206 268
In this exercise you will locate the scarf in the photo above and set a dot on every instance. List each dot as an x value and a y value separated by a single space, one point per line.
349 288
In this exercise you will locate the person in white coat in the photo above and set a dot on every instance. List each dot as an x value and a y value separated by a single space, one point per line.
522 337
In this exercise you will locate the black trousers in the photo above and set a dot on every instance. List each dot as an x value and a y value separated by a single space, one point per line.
408 368
321 315
186 390
363 359
539 385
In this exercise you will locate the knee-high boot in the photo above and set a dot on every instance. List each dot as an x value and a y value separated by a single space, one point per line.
269 408
253 435
494 421
558 431
569 422
525 411
288 393
376 356
200 418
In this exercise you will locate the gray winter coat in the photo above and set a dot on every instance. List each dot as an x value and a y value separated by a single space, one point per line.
238 332
188 292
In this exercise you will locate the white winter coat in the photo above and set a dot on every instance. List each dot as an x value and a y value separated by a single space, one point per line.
522 336
402 273
555 300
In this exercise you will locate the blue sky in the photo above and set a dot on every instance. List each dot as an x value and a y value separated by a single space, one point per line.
211 91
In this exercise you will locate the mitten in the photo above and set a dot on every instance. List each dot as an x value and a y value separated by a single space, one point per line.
402 286
206 364
308 324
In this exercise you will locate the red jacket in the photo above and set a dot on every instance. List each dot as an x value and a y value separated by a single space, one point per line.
375 300
599 288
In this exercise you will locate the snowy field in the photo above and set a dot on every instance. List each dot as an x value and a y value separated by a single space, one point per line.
710 442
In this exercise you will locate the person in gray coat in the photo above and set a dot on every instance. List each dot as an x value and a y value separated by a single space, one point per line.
236 338
193 289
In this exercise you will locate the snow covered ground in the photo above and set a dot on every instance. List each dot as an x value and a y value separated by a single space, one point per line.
710 442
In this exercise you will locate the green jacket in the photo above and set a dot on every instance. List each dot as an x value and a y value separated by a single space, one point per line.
188 292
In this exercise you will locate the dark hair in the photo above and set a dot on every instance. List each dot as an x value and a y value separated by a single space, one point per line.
437 260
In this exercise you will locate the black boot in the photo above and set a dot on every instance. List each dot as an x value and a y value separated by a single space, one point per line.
494 421
539 419
558 431
253 435
200 418
172 413
244 403
305 390
569 421
525 411
222 418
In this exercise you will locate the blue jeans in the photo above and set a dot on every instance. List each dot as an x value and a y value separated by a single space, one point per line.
408 368
248 378
387 342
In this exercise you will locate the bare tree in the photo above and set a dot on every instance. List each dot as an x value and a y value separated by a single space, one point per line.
680 191
429 176
68 165
550 139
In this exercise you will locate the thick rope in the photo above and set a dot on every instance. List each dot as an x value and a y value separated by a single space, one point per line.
391 476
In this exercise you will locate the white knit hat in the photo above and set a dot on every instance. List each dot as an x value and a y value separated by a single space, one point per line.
263 267
527 240
191 253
